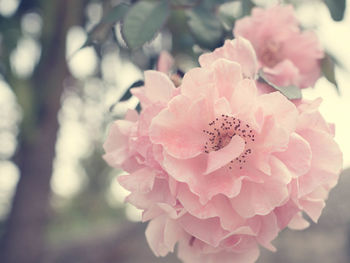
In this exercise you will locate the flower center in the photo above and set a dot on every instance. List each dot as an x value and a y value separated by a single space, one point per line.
220 132
270 54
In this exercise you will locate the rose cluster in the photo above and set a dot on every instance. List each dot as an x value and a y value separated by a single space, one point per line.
219 165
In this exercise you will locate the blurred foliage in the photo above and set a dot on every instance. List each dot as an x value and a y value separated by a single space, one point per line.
143 21
205 27
192 23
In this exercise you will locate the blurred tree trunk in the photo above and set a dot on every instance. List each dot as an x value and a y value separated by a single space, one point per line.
114 245
24 238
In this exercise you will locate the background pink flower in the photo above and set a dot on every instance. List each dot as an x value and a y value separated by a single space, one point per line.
287 55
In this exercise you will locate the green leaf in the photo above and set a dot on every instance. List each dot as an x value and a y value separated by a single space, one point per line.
328 66
184 3
291 92
138 108
247 6
177 24
207 4
205 27
212 4
96 35
336 8
116 14
143 21
100 31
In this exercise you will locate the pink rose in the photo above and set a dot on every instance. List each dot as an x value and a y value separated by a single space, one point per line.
286 55
218 167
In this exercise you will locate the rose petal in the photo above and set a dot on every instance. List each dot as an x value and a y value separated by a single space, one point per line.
297 156
220 158
171 129
140 181
239 50
158 87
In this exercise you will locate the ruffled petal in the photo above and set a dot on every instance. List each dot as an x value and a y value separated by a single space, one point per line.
239 50
162 235
283 110
117 143
191 172
227 75
326 162
140 181
171 128
313 208
158 87
206 230
219 206
297 156
298 222
261 198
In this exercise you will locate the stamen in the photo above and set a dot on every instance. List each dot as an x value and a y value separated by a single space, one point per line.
221 131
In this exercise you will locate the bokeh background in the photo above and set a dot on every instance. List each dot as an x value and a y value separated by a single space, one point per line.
59 201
